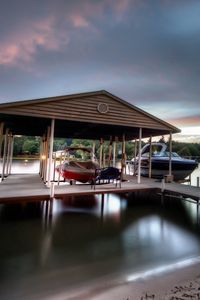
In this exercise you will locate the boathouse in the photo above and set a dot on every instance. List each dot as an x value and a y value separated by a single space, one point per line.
93 115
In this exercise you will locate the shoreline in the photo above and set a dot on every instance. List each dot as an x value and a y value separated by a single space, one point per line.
182 283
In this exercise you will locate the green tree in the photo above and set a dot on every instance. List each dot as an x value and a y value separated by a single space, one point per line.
59 144
31 147
18 145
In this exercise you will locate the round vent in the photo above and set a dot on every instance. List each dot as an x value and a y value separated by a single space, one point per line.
103 108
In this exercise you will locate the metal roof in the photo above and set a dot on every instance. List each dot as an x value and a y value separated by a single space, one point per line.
91 115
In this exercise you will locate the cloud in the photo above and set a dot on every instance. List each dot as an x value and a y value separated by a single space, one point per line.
53 31
192 121
8 54
185 21
189 134
144 51
79 21
186 138
24 45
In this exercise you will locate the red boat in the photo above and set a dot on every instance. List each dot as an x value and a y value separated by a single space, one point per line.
80 165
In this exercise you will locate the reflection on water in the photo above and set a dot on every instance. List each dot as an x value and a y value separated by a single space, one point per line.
25 166
90 239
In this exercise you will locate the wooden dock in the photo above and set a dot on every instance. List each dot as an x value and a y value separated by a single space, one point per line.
27 188
23 188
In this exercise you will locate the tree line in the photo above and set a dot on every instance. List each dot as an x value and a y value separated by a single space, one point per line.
30 146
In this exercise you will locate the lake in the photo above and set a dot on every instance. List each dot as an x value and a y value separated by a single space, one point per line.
90 241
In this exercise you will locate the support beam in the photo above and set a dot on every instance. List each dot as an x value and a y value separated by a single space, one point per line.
1 144
46 154
114 154
8 154
123 161
41 156
110 152
101 153
1 138
135 155
150 157
139 156
11 154
170 153
44 159
93 150
5 149
51 151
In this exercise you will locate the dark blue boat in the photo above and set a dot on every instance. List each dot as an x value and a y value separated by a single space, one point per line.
181 167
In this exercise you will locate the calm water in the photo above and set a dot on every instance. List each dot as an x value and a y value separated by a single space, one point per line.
91 239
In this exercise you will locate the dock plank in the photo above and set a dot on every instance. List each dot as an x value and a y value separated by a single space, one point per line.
19 188
22 187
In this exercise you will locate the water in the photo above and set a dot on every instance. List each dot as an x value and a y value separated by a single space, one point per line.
91 240
25 166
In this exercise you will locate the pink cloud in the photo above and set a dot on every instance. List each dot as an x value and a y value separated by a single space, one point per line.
89 9
23 45
79 21
121 6
189 120
8 54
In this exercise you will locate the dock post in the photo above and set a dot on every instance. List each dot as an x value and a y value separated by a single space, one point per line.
150 158
93 150
123 161
11 155
5 149
45 157
135 155
197 181
139 156
170 153
114 153
1 138
8 153
104 159
110 151
51 151
101 153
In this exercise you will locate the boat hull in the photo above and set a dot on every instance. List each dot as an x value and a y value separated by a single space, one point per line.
79 176
160 162
181 168
78 172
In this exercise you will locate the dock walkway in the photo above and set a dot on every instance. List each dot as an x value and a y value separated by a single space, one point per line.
23 187
26 188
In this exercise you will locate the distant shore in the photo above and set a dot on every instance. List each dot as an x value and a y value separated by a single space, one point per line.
26 157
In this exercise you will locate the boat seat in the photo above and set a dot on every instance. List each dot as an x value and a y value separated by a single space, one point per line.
109 174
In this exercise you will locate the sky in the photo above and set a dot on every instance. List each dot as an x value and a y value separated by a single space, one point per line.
146 52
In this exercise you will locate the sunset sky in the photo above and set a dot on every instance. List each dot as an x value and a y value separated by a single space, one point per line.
146 52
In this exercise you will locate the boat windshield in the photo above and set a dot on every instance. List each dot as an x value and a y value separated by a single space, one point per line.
166 154
158 150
